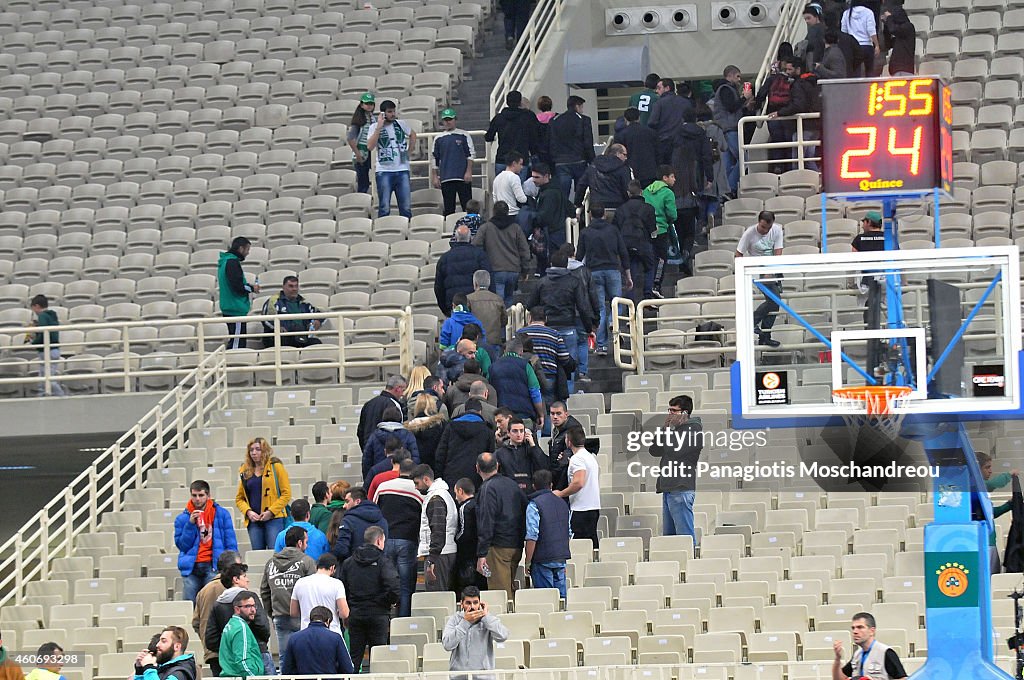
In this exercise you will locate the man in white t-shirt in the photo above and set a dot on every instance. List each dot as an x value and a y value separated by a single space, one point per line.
508 187
764 239
320 590
392 138
584 490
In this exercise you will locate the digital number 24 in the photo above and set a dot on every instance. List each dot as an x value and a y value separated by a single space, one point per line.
913 151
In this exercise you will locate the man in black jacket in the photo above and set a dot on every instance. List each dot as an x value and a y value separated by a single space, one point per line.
604 251
607 178
636 222
371 588
641 144
463 440
571 144
804 97
559 451
372 413
454 273
521 457
667 117
695 171
235 579
465 573
563 297
517 129
678 488
501 524
553 207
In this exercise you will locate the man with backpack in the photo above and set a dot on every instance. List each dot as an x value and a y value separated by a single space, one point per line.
776 91
805 97
636 221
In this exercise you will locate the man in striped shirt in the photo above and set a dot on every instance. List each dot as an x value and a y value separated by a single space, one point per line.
549 346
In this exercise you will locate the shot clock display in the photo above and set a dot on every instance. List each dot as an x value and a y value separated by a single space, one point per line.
886 136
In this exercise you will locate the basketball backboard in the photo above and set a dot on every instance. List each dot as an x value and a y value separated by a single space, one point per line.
853 319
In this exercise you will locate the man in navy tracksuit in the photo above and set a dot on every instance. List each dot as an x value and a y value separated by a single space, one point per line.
317 650
453 164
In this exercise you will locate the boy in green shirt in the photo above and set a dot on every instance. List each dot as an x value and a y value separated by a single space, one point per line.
45 316
660 196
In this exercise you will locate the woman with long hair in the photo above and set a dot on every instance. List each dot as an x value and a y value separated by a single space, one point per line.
358 133
427 425
859 21
263 494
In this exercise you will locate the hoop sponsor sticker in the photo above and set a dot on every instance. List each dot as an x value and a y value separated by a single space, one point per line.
772 388
989 381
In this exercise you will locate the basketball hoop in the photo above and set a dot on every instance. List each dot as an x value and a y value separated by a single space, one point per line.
873 406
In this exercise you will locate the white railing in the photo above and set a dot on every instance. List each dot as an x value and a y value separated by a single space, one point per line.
801 158
631 328
118 353
77 508
546 18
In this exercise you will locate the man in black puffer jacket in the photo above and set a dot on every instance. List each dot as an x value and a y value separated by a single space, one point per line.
607 178
517 129
636 220
371 588
571 142
454 273
465 438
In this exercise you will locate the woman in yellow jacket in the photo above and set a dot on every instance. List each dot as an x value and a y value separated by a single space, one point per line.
263 494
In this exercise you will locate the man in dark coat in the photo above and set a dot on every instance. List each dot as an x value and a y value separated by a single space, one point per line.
521 457
559 451
454 273
901 35
571 144
695 171
553 207
602 248
516 128
372 413
371 588
465 573
465 438
607 178
360 515
501 524
678 489
667 117
641 144
391 426
637 222
317 650
804 97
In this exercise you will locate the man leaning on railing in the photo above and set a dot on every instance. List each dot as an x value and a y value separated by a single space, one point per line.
46 317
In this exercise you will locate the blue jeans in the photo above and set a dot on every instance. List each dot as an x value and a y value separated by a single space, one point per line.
403 553
569 174
505 284
285 626
397 182
732 159
677 513
268 664
582 351
202 573
609 285
549 575
263 534
570 335
362 176
524 218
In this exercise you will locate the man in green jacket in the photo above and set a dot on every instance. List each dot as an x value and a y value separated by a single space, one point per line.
994 483
240 654
660 196
45 316
318 512
235 290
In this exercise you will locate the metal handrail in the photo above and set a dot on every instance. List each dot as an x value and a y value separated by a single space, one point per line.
76 508
800 161
335 330
546 19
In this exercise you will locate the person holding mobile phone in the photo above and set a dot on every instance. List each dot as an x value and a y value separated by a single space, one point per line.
470 634
392 138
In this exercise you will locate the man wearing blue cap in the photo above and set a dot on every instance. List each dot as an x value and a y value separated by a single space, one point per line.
452 170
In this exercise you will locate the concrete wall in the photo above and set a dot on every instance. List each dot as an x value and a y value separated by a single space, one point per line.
94 414
695 55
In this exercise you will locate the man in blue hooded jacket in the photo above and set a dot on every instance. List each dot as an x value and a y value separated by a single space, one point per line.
202 532
317 650
451 329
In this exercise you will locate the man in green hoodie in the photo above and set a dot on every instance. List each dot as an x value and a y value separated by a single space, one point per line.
235 290
318 512
661 197
240 654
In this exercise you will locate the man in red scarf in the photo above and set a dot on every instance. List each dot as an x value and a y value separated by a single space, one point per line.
202 532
